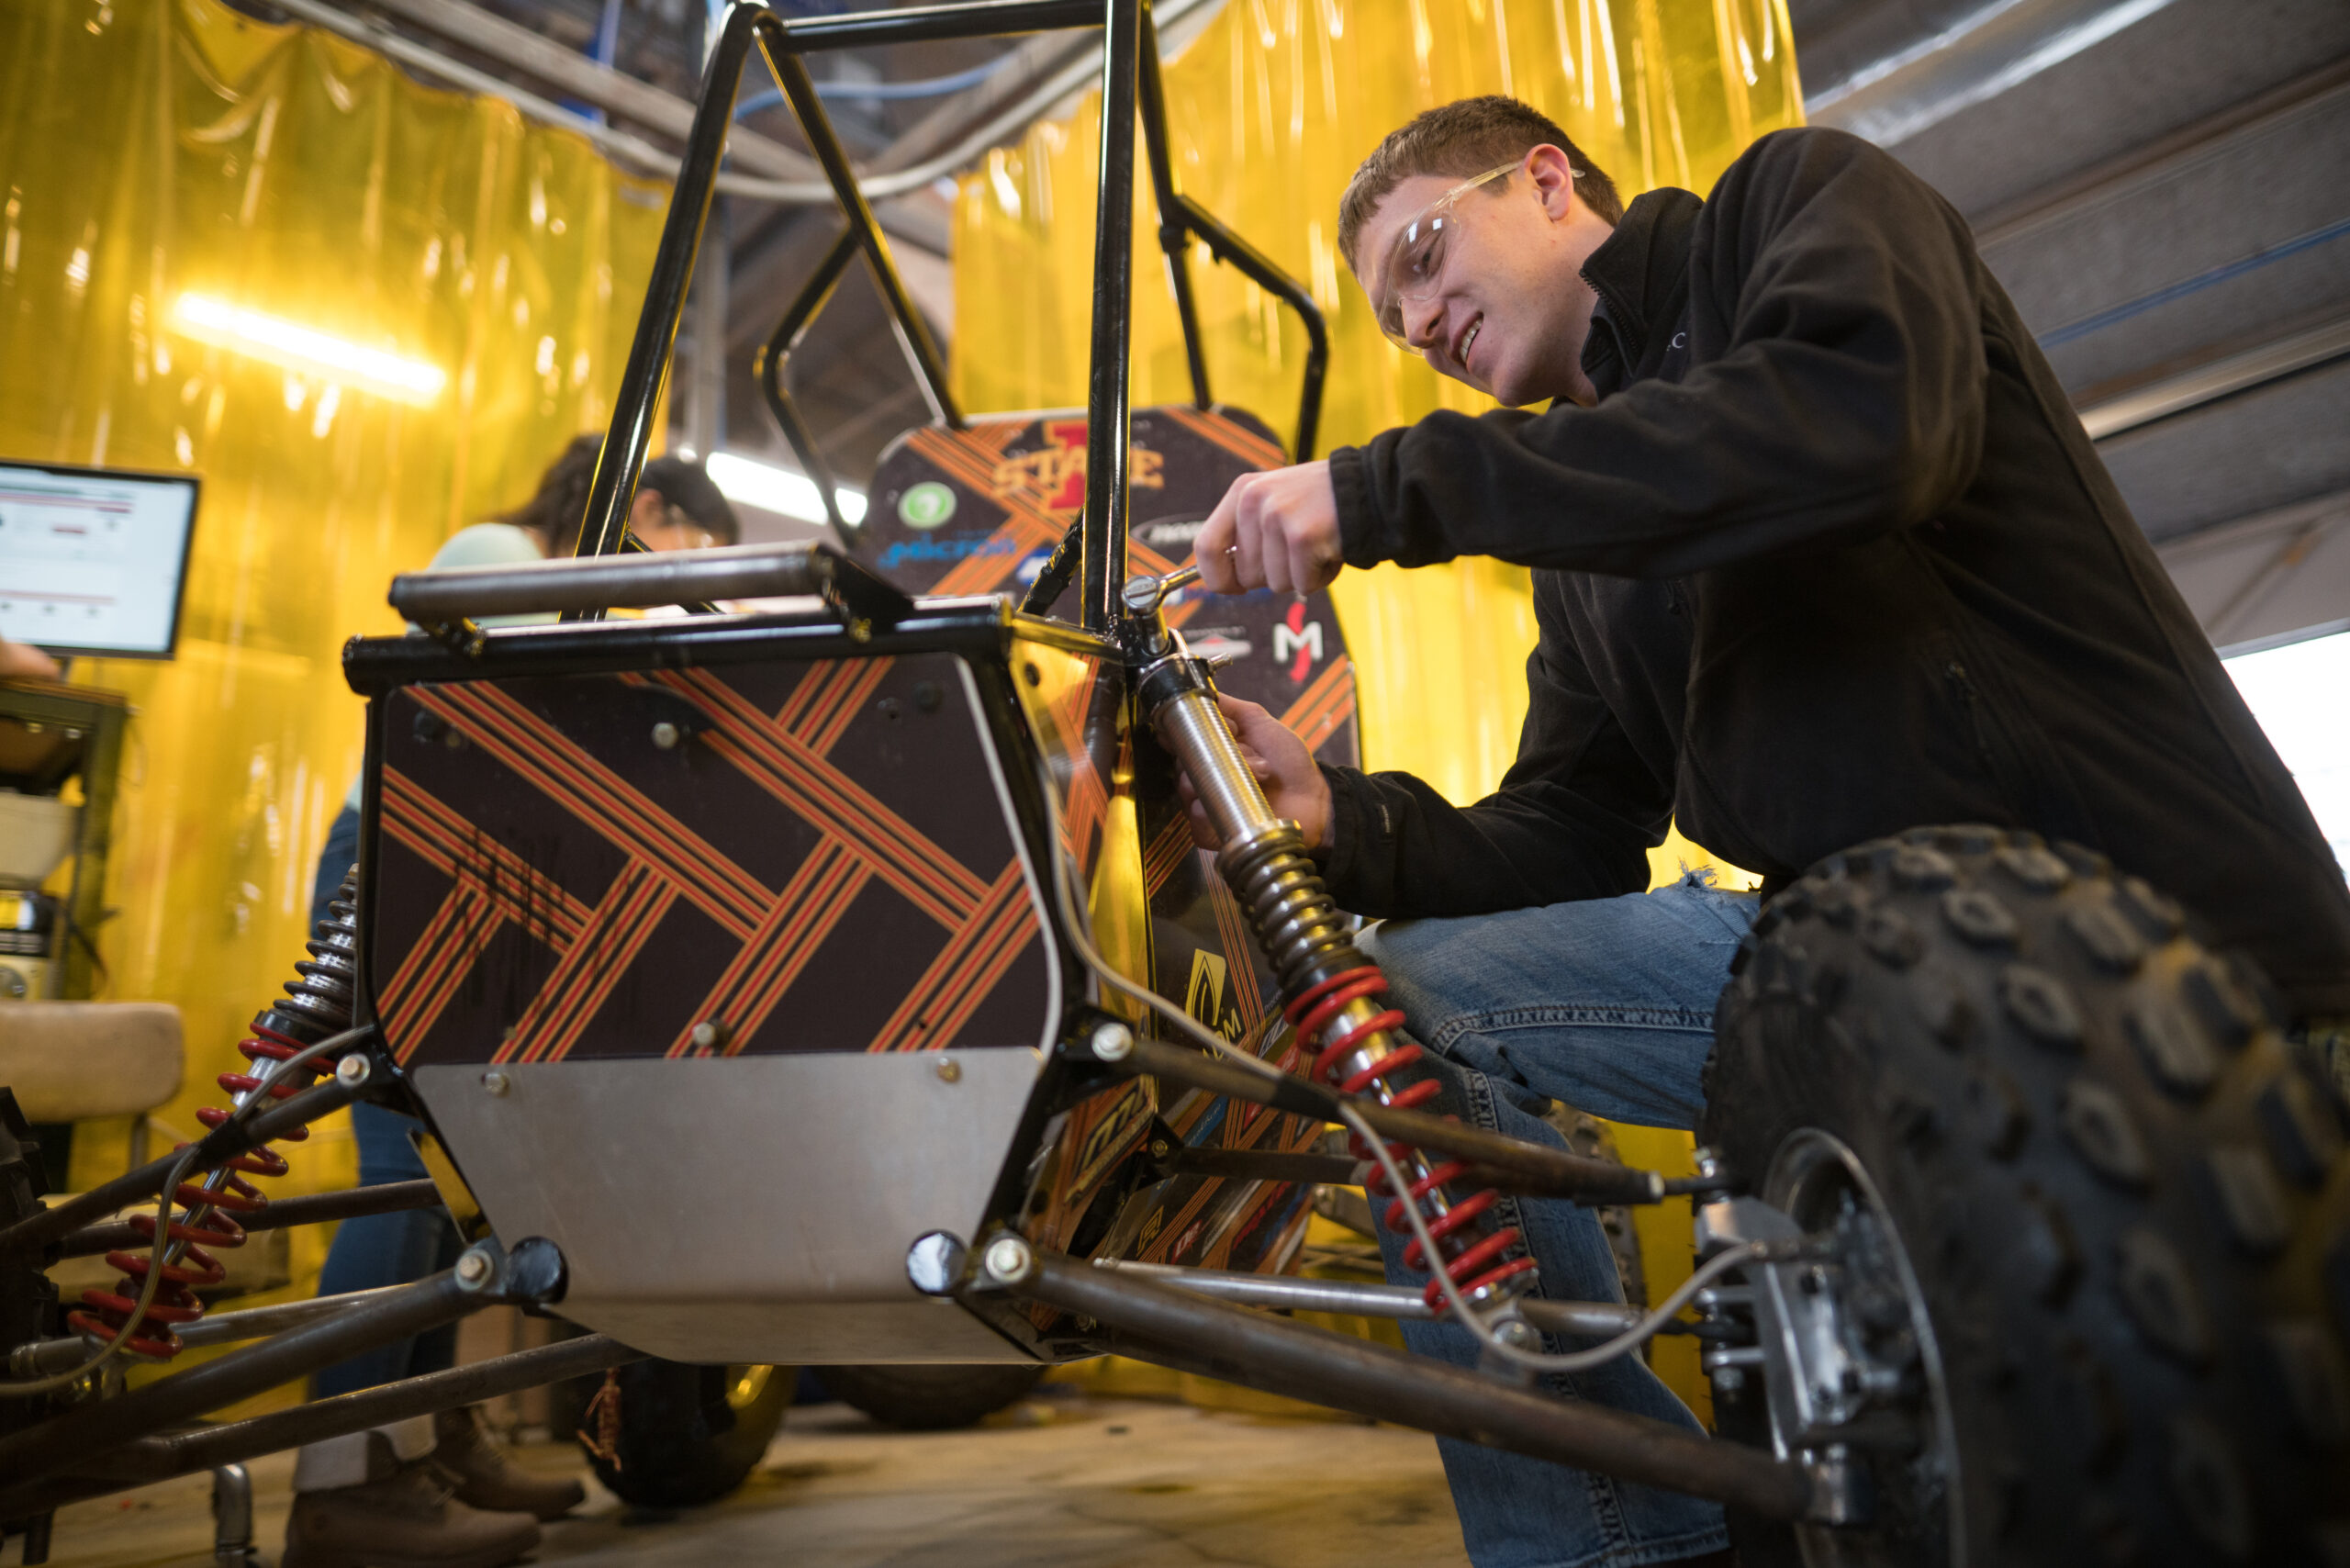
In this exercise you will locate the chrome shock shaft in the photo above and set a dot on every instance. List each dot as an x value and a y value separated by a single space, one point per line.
1328 986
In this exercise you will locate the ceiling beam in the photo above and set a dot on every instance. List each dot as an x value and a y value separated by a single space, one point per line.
615 91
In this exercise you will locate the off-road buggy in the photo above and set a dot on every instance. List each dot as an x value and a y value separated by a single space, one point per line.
838 984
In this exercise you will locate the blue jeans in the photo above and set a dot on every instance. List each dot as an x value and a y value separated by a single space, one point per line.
1607 1004
380 1250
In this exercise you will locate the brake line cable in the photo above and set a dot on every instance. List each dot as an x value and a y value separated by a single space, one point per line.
181 1168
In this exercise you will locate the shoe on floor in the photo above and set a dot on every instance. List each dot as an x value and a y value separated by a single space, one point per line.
409 1519
486 1478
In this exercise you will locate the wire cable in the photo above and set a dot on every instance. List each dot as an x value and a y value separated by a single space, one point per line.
34 1387
1478 1327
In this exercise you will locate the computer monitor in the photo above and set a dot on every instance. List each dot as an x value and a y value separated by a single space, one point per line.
92 561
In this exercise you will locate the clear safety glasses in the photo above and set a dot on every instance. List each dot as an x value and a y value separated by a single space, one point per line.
1414 267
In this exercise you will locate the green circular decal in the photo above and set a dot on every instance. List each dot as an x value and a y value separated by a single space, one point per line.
925 505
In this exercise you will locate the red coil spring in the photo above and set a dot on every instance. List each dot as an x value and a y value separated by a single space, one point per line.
210 1221
1472 1264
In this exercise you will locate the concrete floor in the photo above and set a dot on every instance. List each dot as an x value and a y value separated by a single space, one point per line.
1065 1479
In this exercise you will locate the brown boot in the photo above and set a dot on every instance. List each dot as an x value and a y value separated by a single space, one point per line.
408 1519
486 1478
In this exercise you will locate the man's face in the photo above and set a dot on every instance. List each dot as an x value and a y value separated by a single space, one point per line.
1507 311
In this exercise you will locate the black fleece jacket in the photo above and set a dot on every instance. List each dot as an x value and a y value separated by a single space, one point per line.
1831 557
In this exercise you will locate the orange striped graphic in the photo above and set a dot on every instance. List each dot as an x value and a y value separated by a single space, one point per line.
808 912
1246 445
631 910
1233 927
787 768
457 849
823 727
964 972
1324 705
827 697
451 941
567 773
1168 851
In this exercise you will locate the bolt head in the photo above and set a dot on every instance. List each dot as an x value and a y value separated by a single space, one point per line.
1008 1261
664 735
935 1262
1729 1380
474 1268
495 1082
949 1071
351 1070
1110 1041
1518 1334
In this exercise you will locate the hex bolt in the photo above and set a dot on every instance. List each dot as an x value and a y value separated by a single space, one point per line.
1518 1334
1110 1041
495 1082
949 1071
351 1070
1729 1380
473 1269
665 735
711 1034
1008 1261
1709 1163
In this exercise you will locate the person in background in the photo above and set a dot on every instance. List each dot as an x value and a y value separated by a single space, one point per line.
438 1490
23 659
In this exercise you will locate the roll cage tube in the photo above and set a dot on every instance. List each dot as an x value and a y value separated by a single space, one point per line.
1182 220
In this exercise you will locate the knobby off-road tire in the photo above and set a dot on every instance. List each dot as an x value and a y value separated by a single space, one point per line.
688 1434
2125 1209
931 1398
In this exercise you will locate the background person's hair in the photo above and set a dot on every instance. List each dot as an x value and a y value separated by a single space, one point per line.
686 486
1462 141
554 513
554 510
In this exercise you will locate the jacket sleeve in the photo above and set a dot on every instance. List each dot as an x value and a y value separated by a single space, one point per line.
1838 392
1573 818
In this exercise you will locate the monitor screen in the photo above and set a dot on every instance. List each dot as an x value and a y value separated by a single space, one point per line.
92 560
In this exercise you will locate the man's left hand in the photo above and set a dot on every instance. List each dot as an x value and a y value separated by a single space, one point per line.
1277 530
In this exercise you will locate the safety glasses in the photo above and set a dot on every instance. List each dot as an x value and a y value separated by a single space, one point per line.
1415 262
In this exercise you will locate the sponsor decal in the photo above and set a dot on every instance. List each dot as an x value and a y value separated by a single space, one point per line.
1204 997
905 550
1120 1129
1299 641
1226 643
1169 536
1055 476
925 505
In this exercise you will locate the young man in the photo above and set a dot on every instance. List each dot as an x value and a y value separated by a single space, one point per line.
1821 554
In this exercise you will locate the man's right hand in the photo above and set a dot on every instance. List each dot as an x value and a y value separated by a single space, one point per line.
1278 756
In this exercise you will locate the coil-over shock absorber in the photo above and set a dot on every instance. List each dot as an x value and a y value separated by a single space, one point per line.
1330 990
316 1005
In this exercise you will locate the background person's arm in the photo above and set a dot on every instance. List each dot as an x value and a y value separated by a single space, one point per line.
23 659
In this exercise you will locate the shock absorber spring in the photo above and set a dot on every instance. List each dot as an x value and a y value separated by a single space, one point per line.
317 1004
1331 989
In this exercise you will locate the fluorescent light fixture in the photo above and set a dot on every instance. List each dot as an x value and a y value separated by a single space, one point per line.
769 488
306 350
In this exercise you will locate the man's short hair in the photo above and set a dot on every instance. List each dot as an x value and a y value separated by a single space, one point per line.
1463 140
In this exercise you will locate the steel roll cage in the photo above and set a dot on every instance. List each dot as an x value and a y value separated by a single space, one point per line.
1132 88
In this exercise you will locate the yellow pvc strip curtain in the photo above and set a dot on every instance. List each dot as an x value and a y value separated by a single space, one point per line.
1271 109
151 150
